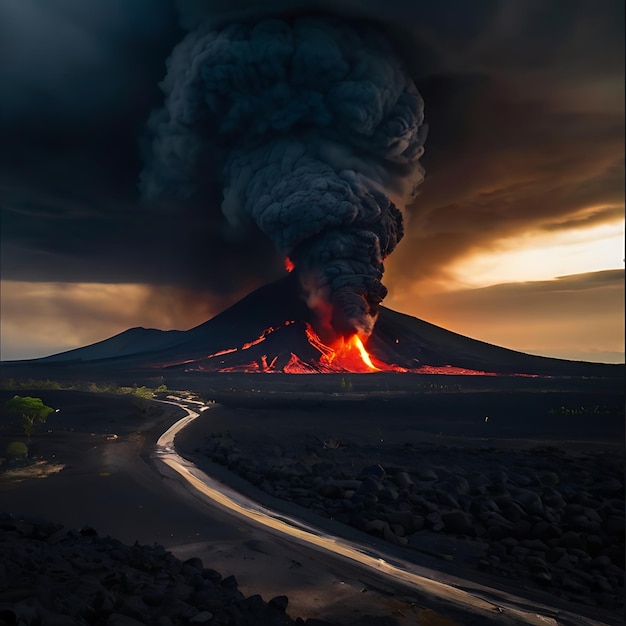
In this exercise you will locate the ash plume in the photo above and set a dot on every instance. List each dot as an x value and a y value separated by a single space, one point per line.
314 131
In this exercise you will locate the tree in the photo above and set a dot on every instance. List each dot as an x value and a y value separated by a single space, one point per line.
31 409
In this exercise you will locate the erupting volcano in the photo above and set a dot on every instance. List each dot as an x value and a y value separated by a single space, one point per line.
272 330
312 129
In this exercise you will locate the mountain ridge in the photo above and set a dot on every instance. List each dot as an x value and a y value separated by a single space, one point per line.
272 324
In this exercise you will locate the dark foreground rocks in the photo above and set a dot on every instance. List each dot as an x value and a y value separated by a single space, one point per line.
543 517
52 576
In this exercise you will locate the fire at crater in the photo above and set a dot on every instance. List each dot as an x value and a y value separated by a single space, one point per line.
314 131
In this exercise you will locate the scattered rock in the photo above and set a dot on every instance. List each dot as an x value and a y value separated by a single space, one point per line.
132 585
373 471
566 510
615 525
403 480
457 522
434 521
424 472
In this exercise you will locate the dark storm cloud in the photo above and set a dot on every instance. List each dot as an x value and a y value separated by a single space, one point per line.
78 82
524 102
69 61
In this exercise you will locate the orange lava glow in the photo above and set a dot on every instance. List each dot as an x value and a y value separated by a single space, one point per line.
349 354
222 352
355 342
289 264
346 354
262 337
296 365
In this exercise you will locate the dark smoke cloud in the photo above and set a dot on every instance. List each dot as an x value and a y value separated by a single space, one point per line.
312 126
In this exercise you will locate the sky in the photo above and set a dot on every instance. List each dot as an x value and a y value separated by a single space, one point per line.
515 236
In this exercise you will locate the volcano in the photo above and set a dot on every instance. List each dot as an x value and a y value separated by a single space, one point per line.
273 331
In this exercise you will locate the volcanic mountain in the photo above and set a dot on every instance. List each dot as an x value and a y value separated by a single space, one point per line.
272 330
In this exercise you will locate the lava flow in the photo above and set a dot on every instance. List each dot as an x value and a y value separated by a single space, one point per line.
293 348
347 354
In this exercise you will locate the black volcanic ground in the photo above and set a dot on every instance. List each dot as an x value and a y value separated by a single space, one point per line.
278 313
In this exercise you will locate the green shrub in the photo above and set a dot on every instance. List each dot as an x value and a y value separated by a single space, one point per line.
32 410
17 450
143 392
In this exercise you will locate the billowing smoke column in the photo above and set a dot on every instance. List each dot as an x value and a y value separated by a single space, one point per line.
312 126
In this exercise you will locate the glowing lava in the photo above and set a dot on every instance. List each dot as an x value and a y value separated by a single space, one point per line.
265 354
348 354
358 344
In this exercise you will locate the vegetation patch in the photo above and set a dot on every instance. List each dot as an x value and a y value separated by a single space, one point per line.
17 450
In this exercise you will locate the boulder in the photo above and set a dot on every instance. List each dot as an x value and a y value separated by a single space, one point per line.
457 522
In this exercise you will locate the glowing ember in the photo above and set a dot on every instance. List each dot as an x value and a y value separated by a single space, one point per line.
289 264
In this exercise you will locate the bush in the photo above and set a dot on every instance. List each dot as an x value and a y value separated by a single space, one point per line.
32 410
17 450
143 392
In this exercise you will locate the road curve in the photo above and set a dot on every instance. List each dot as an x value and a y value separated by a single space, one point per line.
501 606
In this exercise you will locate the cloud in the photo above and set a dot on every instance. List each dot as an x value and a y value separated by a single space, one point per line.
524 101
69 60
578 317
39 319
517 165
515 142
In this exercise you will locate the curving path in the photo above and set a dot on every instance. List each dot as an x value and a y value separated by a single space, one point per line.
508 608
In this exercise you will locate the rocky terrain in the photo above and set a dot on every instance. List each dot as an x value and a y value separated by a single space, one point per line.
544 517
52 576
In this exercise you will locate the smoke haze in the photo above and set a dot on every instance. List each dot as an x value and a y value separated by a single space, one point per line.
311 126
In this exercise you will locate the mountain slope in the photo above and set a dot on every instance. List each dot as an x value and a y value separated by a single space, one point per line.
130 342
270 330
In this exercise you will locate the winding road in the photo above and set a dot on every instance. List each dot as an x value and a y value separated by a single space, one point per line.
477 600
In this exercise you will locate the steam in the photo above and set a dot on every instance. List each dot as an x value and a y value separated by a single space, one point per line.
314 132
